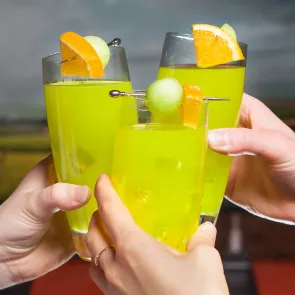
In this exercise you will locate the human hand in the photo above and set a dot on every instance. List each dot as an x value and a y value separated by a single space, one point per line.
143 265
262 177
34 238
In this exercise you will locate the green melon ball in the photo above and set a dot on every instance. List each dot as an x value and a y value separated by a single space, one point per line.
101 47
230 30
164 96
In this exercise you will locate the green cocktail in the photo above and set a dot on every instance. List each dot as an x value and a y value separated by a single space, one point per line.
159 174
224 81
83 120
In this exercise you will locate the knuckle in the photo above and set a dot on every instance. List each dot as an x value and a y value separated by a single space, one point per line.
128 246
241 138
55 191
31 214
104 209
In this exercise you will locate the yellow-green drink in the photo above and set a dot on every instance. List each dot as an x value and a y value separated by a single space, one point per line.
159 167
83 120
225 81
158 172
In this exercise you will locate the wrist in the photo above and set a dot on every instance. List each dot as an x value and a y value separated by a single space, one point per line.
6 277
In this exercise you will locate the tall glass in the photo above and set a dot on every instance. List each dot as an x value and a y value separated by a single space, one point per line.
83 121
225 81
158 172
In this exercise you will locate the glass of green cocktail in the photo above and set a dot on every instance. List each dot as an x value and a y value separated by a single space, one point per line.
158 168
83 121
179 61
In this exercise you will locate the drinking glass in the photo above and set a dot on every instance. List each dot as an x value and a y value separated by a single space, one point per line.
225 81
158 171
83 120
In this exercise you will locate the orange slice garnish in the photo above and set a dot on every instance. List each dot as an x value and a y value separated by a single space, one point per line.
191 106
79 57
214 46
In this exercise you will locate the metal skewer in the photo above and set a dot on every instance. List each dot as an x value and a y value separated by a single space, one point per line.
114 42
142 93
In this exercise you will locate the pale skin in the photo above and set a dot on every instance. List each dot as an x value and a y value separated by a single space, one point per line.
34 239
34 236
262 177
141 264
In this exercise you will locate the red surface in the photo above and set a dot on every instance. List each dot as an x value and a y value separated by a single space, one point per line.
275 277
272 278
72 278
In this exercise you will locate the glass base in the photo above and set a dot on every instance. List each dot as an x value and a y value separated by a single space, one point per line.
79 242
208 218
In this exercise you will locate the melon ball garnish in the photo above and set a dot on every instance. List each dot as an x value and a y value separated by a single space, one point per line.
101 47
164 96
230 30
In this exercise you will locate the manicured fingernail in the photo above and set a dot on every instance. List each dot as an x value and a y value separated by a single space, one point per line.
81 193
209 229
218 138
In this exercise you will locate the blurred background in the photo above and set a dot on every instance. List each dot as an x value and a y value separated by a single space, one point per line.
30 30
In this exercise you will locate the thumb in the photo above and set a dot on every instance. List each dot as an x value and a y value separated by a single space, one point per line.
205 235
42 204
270 144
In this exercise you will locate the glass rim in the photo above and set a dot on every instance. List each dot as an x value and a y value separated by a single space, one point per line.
142 126
44 59
190 37
142 105
203 102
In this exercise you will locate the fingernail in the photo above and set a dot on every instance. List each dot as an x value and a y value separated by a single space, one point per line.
81 193
242 154
218 138
209 229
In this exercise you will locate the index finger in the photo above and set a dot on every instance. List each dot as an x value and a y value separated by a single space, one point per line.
114 214
256 114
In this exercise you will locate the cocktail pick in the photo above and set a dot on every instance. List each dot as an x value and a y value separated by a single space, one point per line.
114 42
142 93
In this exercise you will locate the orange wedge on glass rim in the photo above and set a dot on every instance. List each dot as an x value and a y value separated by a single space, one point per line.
79 57
214 46
192 105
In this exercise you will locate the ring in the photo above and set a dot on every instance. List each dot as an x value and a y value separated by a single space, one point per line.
97 256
